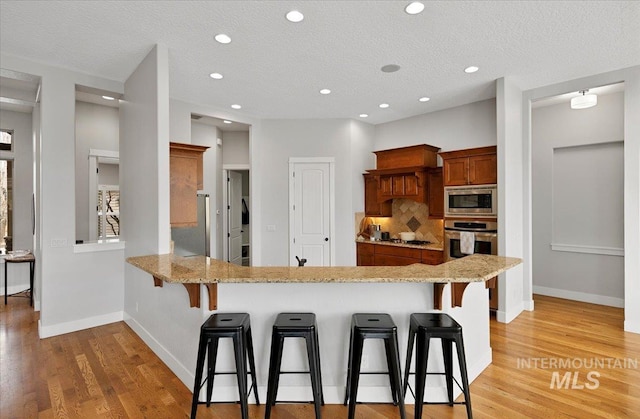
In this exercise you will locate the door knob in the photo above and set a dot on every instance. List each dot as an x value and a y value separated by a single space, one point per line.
326 239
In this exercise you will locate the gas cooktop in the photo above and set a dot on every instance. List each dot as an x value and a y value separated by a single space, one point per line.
410 241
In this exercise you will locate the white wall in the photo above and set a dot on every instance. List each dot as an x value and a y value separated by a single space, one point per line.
20 124
565 274
512 297
631 78
282 139
97 127
77 290
235 147
467 126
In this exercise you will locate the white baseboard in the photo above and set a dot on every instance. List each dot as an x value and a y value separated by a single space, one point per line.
529 305
632 326
74 326
579 296
508 316
184 374
16 288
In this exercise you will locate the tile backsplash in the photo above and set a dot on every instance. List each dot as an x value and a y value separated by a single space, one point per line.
408 215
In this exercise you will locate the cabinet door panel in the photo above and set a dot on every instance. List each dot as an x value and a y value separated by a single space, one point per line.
436 194
483 169
398 185
183 185
432 257
411 185
388 260
386 189
456 171
373 208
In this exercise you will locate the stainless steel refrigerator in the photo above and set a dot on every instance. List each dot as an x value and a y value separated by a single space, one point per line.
190 241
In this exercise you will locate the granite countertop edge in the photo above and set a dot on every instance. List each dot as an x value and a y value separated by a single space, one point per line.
200 269
431 246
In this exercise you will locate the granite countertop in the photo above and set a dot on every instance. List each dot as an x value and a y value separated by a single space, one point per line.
201 269
431 246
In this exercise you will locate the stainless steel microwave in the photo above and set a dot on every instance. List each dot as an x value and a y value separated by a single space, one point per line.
471 201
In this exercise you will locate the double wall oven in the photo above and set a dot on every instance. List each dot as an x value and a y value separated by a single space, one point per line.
472 210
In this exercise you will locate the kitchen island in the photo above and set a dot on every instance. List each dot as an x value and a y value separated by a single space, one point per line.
333 293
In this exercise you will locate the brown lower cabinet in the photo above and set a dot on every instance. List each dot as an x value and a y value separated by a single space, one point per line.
370 254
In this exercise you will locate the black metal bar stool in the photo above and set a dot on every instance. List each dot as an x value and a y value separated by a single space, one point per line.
236 326
436 325
295 325
380 326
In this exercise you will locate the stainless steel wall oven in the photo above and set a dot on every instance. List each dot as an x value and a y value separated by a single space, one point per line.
485 232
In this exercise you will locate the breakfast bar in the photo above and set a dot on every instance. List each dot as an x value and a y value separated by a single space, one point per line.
333 294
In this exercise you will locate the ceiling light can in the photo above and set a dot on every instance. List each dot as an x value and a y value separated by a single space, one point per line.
424 99
325 91
471 69
294 16
383 105
223 38
108 98
364 115
226 122
414 8
216 76
236 106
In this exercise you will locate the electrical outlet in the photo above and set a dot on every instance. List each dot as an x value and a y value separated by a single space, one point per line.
58 242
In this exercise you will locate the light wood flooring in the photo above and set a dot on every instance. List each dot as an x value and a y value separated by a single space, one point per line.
108 372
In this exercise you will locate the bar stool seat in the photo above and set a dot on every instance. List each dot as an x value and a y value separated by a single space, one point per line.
236 326
295 325
436 325
375 326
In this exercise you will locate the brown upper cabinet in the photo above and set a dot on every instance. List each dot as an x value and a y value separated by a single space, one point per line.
472 166
373 208
186 178
400 173
436 193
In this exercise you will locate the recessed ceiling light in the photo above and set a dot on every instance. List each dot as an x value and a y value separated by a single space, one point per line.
471 69
325 91
108 98
384 105
364 115
390 68
216 76
222 38
236 106
226 122
294 16
414 8
424 99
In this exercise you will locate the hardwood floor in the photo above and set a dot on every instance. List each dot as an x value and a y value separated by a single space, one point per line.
108 372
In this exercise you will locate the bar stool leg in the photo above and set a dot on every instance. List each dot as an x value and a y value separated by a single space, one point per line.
319 365
394 371
407 365
252 365
202 350
358 342
422 355
347 392
392 385
316 384
277 342
211 362
463 372
241 372
447 356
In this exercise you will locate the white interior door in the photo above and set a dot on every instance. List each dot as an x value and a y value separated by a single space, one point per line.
234 216
310 213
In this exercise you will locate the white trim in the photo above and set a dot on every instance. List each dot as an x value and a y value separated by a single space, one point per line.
529 305
579 296
632 326
312 160
99 246
15 288
594 250
508 316
93 152
183 373
75 325
239 166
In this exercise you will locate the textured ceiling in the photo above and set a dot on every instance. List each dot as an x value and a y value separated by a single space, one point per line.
275 68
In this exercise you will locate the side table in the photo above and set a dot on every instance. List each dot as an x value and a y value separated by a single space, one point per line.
20 258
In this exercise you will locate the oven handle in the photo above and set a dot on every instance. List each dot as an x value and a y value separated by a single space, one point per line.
484 236
471 230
